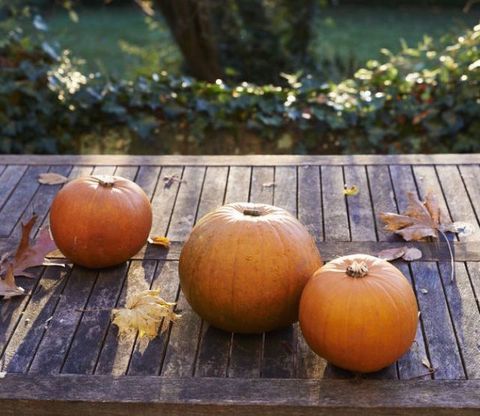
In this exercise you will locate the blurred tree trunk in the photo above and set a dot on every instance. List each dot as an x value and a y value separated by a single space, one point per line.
247 40
191 26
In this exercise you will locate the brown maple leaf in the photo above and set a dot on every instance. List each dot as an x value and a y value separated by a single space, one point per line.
420 220
28 254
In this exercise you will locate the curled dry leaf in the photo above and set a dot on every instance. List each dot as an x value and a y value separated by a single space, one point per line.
406 253
420 220
169 180
463 229
391 253
159 241
144 313
426 363
350 190
8 287
411 254
51 178
27 255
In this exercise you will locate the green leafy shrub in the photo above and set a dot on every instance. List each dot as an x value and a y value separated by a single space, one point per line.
424 99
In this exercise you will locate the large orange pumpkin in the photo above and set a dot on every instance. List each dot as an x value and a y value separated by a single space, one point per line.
100 221
244 267
359 312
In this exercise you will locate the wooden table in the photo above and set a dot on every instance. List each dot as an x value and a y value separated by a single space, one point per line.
62 355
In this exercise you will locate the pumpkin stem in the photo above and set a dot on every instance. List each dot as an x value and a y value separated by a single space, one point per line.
252 212
106 181
357 269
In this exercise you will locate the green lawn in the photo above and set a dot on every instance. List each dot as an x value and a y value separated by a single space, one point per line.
119 41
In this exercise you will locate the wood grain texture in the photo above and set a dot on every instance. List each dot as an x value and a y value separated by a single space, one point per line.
334 204
214 344
247 350
310 211
442 345
250 160
104 395
9 178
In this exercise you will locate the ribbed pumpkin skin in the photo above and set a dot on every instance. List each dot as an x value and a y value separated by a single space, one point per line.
361 324
99 226
245 273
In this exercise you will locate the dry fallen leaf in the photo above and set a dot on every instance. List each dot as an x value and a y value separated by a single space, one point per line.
420 220
51 178
350 190
144 312
411 254
427 364
406 253
159 241
391 253
8 287
169 180
27 255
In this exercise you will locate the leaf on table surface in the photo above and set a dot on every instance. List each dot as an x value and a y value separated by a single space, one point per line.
28 254
350 190
406 253
420 220
168 181
391 253
411 254
8 287
426 363
144 312
463 229
51 178
159 241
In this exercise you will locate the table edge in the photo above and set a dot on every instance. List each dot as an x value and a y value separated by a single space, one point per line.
121 394
246 160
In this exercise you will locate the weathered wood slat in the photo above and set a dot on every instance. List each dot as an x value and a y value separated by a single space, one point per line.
214 347
471 178
474 274
410 365
14 207
310 211
59 331
104 395
246 350
441 342
181 351
457 200
11 310
8 180
87 342
280 345
147 355
403 182
465 316
116 351
383 198
334 204
360 211
30 329
250 160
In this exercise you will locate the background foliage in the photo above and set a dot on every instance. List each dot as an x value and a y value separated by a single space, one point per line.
422 99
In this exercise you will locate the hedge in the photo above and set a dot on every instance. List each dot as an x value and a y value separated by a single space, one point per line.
424 99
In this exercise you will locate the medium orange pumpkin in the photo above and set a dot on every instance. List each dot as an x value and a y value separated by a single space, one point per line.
359 312
245 265
100 221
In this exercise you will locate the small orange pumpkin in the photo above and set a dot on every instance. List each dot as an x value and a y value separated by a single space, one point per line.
100 221
244 267
359 313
